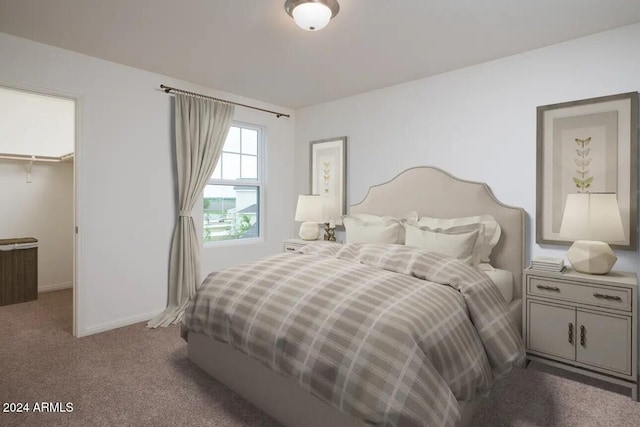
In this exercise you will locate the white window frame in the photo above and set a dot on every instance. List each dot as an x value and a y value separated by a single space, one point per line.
239 182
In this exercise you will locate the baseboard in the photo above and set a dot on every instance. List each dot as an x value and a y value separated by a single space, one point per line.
117 324
55 287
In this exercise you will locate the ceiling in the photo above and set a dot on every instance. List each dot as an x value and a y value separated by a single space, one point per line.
253 48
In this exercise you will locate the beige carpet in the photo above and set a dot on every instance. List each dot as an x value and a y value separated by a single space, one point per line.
134 376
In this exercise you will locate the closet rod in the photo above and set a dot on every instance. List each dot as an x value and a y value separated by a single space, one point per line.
168 89
28 158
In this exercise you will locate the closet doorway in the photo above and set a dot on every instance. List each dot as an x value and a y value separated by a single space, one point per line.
38 172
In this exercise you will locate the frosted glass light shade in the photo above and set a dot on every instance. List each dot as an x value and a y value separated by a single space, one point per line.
312 16
592 216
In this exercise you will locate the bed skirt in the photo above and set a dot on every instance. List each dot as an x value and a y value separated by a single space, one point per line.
279 396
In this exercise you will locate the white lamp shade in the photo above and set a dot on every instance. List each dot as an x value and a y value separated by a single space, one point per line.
309 209
311 16
592 216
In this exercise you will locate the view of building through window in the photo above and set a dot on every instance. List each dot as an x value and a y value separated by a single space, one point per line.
232 196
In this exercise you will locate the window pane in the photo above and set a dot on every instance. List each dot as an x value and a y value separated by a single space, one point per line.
249 167
231 212
216 171
231 169
249 141
233 140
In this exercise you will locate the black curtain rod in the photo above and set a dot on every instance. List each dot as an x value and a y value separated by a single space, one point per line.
169 89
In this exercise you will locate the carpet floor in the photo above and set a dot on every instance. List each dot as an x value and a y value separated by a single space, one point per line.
134 376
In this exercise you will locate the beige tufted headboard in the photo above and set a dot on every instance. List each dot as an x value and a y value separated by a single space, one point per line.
433 192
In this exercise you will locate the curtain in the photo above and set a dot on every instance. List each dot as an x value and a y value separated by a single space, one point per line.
201 127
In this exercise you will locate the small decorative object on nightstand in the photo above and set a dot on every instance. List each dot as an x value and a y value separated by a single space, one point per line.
583 323
330 231
545 263
592 219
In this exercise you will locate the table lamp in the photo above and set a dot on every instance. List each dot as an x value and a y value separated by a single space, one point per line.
591 220
309 212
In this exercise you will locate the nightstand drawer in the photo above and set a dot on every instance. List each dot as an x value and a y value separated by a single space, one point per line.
291 247
600 296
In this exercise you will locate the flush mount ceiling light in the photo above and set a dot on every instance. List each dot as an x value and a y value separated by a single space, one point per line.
312 15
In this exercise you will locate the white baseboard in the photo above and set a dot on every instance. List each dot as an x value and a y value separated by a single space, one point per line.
117 324
55 287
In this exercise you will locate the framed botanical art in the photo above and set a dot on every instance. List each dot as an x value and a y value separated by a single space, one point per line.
587 146
328 176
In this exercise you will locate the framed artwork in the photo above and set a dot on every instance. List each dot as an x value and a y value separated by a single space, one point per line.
587 146
328 176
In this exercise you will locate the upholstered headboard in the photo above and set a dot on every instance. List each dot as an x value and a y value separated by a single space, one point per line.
433 192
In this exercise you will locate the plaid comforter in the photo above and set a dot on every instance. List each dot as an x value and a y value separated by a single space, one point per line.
387 333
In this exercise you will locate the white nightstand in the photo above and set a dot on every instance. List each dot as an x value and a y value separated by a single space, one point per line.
293 245
584 323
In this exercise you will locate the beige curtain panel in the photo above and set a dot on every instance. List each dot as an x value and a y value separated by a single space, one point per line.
201 126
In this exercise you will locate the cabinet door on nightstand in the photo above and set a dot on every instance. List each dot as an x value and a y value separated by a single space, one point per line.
548 329
607 341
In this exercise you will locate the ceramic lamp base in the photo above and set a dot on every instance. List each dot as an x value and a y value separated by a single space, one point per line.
591 257
309 231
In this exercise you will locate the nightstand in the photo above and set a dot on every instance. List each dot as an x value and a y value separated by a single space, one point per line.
583 323
293 245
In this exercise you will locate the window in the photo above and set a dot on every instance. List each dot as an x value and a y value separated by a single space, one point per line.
232 198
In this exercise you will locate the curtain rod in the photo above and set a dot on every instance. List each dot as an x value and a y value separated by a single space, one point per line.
168 89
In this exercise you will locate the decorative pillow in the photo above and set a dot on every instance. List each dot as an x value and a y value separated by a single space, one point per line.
409 216
490 234
457 242
364 228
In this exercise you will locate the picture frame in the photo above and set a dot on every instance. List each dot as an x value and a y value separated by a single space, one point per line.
590 145
328 176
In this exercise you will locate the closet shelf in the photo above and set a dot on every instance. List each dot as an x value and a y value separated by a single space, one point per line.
28 158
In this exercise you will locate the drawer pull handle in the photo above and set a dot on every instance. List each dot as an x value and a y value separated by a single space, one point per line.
548 288
290 249
583 333
571 333
605 296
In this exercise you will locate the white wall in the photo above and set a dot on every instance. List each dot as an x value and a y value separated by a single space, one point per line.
42 209
33 124
126 198
479 123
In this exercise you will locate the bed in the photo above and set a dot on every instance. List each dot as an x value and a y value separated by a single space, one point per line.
427 190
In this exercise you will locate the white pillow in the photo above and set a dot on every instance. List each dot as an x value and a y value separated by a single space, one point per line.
366 228
363 228
490 233
409 216
457 242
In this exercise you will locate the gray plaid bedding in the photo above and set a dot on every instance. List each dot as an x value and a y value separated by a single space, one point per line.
387 333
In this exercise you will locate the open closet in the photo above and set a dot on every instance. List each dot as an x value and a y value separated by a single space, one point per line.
37 144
